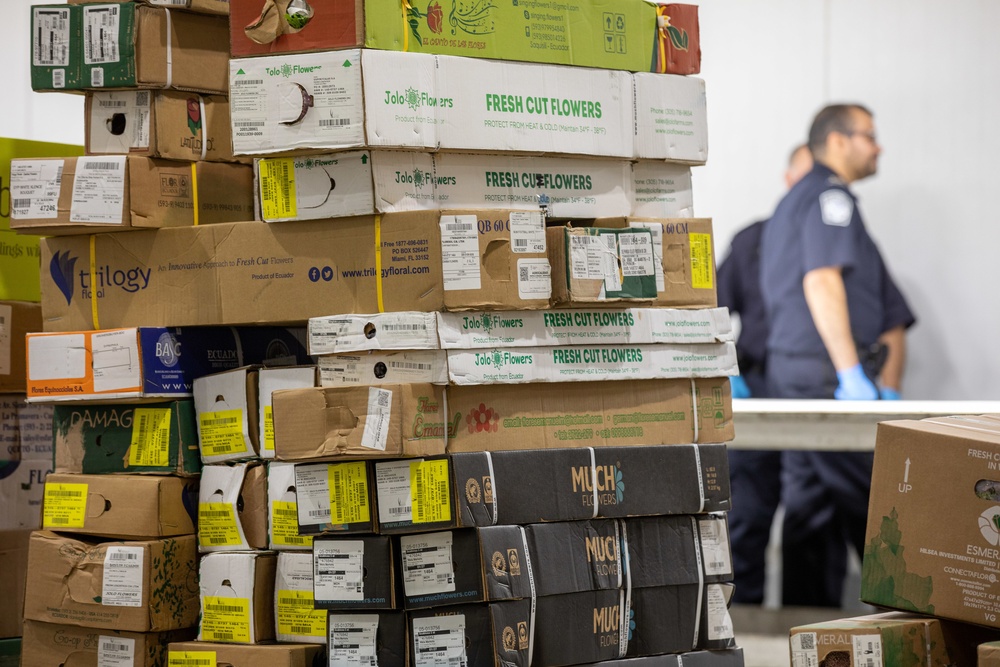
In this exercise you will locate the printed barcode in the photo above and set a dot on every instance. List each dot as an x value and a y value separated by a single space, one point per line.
142 98
301 630
214 513
64 494
248 82
520 243
383 397
286 185
222 635
609 241
807 641
122 555
408 365
334 122
114 166
716 563
59 519
58 78
112 104
721 629
319 512
443 489
97 77
286 514
219 422
22 203
419 507
404 327
869 662
217 540
444 578
522 274
114 646
298 602
249 123
224 608
193 662
399 510
459 227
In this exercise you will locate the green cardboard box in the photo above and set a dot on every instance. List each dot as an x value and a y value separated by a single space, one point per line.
56 34
10 652
155 438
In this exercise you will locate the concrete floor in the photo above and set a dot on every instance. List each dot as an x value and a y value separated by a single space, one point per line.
763 632
764 650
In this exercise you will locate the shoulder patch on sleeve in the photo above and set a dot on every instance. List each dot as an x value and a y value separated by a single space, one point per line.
837 207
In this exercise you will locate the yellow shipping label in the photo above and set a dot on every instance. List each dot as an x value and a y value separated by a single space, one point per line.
268 428
285 525
222 433
225 620
349 493
430 492
64 506
150 438
296 615
701 261
277 188
217 525
191 659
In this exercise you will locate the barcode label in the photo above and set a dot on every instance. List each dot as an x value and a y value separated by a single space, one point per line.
224 608
520 243
334 122
404 327
807 641
301 630
115 651
120 555
64 494
427 564
248 82
113 646
221 421
383 399
221 636
59 519
522 274
112 166
97 77
458 227
142 98
58 78
319 513
399 510
112 104
286 513
22 203
248 123
410 365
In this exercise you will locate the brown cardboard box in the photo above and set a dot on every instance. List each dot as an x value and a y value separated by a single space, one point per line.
887 640
989 655
234 655
216 7
237 597
127 506
138 586
166 124
349 422
47 644
17 318
115 193
13 574
227 407
933 541
685 277
232 507
253 273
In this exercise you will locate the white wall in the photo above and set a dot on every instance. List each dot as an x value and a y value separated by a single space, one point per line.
928 70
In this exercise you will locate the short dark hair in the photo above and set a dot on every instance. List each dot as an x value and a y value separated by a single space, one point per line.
832 118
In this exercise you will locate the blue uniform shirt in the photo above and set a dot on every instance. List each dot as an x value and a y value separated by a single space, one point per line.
818 225
738 279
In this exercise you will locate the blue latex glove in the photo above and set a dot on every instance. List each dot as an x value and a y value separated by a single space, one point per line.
855 385
739 387
889 394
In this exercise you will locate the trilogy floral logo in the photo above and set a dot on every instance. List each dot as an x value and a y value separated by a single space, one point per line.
483 419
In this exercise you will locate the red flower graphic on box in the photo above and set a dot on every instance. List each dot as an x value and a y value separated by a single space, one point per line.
435 17
483 419
194 115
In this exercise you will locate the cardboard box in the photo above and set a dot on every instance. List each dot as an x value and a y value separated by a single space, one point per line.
382 637
988 654
253 274
355 574
332 423
232 508
357 99
10 652
591 363
228 413
623 326
216 7
296 617
148 362
54 644
20 266
726 658
475 635
84 195
13 576
382 181
270 380
122 45
126 506
25 460
683 265
166 124
580 627
153 438
486 488
578 414
666 619
380 368
671 120
282 501
237 597
610 35
274 655
339 334
894 638
137 586
335 498
11 149
17 319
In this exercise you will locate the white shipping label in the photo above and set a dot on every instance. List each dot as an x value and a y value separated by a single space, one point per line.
338 570
804 651
427 564
720 624
123 577
527 232
609 262
586 257
34 188
656 229
534 279
6 322
392 482
115 651
715 547
100 34
377 421
439 641
460 252
312 488
50 43
331 335
867 650
636 251
169 3
115 360
125 112
352 640
98 190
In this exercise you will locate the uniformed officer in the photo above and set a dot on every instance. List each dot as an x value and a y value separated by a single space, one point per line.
837 328
755 476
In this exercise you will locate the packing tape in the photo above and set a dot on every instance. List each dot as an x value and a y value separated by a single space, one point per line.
93 280
623 560
204 127
531 586
694 408
378 263
493 485
593 478
662 22
619 536
194 187
701 580
170 53
444 405
698 475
